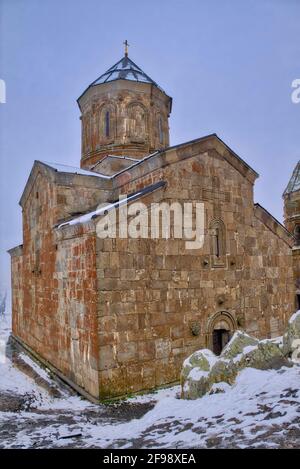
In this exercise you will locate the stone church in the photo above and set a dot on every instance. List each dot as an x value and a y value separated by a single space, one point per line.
114 316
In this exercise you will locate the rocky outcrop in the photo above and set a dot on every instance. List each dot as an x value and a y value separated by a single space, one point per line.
266 355
203 372
291 338
238 342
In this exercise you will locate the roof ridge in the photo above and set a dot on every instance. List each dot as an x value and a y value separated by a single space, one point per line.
178 145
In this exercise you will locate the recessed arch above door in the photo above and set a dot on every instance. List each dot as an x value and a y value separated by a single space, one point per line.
220 329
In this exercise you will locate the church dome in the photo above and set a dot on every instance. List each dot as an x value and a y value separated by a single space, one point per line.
123 113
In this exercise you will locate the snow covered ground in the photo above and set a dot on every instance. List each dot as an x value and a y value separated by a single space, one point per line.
261 410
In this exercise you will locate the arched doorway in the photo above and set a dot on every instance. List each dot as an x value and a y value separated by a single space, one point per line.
220 330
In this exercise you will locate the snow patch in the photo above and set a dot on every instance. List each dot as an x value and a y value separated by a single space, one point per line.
196 374
294 317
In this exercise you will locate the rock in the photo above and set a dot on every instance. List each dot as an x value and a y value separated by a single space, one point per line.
291 338
204 373
194 373
276 340
266 355
223 371
196 385
199 382
236 345
202 359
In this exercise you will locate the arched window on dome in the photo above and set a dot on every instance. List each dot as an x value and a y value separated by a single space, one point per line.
297 235
160 130
86 132
107 124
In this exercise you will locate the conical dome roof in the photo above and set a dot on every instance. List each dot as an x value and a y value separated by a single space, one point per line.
125 69
294 182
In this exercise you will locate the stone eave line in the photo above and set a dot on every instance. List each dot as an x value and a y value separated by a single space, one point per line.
290 193
152 84
264 216
87 228
295 217
93 85
16 251
175 154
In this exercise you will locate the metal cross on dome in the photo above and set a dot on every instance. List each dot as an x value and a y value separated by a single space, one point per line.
126 47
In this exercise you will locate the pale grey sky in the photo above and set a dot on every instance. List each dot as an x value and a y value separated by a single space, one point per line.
227 64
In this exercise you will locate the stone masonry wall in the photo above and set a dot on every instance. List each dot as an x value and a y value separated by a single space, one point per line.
77 306
120 315
152 293
17 288
54 289
78 194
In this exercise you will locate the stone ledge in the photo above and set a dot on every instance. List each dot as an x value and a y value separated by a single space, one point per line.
16 251
75 231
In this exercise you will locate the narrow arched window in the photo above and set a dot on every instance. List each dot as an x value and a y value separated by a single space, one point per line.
297 235
106 124
218 240
160 131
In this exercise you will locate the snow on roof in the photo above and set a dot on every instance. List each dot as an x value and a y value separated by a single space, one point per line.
103 208
64 168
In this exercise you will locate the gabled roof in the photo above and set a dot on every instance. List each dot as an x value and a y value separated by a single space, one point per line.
273 224
211 141
63 174
294 182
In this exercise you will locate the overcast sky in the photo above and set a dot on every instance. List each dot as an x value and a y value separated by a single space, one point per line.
227 64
